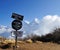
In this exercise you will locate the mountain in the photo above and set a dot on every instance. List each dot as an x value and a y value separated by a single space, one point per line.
30 27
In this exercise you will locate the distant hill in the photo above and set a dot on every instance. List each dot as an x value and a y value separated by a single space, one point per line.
5 34
50 37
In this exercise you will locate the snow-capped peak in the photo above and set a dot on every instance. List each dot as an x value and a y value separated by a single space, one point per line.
27 22
36 20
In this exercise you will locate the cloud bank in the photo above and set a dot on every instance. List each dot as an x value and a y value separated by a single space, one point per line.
39 27
44 26
4 29
48 24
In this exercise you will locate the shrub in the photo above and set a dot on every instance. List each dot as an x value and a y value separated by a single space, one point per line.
5 46
29 41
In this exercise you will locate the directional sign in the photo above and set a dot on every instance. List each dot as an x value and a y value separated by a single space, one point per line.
19 33
17 16
16 24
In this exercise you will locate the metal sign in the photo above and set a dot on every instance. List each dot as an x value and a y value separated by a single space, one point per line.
16 24
17 16
19 33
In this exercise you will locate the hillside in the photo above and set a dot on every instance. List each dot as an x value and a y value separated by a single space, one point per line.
36 46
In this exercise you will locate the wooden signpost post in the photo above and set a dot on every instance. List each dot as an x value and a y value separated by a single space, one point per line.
16 25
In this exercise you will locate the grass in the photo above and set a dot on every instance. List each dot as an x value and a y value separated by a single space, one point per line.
36 46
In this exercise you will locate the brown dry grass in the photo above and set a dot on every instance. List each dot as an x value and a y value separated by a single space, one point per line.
36 46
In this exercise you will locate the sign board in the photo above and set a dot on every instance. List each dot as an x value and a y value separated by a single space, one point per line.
19 33
17 16
16 24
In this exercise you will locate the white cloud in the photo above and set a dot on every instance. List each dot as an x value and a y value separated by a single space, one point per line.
48 24
9 29
4 29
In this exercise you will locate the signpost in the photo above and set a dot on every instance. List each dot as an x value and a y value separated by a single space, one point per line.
16 25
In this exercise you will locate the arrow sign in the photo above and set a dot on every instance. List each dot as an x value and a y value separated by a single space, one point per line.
19 33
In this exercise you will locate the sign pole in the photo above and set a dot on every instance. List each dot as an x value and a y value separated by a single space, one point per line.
16 40
16 24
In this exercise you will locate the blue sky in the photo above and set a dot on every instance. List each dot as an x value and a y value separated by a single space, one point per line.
29 8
